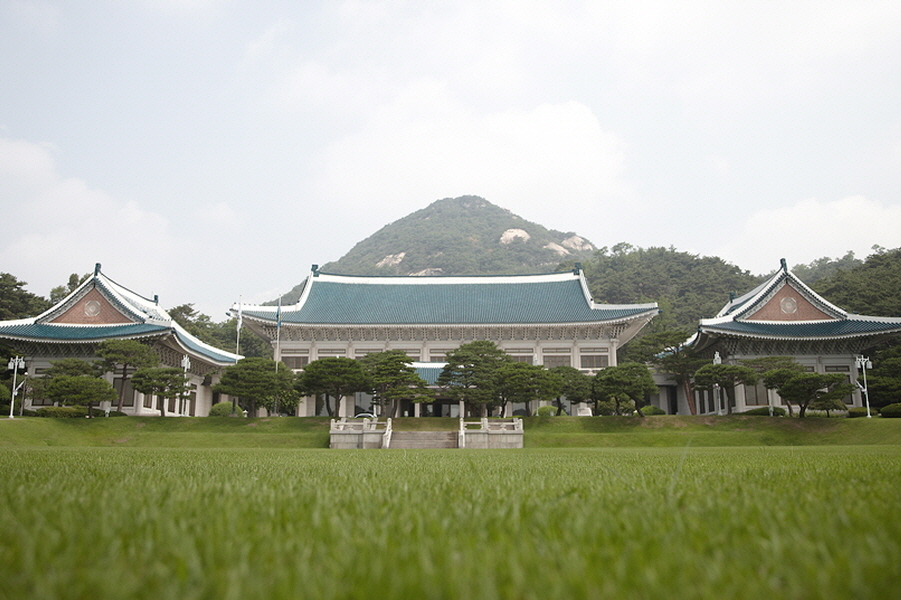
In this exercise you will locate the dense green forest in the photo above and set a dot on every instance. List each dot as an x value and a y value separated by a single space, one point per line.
687 287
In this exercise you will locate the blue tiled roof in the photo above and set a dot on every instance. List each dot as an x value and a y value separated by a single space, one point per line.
205 350
492 302
48 332
804 330
429 372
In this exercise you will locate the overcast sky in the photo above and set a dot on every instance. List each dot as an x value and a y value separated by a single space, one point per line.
207 150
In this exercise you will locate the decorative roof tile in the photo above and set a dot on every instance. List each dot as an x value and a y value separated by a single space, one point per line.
48 332
555 298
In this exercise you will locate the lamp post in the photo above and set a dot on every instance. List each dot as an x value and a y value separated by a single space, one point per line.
14 364
186 364
864 363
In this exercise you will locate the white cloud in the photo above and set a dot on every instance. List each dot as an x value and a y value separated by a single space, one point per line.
37 17
541 163
812 229
54 225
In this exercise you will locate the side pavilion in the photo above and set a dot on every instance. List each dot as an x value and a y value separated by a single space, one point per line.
101 309
784 317
547 319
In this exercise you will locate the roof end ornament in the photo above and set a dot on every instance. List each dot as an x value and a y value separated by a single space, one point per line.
96 269
577 269
784 265
315 270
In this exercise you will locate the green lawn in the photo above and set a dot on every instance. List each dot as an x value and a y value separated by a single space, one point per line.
680 522
547 432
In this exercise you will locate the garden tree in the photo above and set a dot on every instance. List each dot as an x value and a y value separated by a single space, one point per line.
16 302
258 383
805 388
470 374
724 378
828 405
783 368
125 355
630 380
335 377
392 379
70 366
61 291
524 382
665 350
166 382
575 386
60 368
884 379
82 390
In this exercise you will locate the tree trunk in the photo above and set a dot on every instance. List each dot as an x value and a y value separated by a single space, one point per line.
162 402
689 397
122 387
559 405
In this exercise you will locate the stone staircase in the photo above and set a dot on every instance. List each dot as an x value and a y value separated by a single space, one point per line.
424 439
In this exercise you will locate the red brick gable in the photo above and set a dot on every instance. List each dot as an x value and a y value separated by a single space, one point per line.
92 309
788 304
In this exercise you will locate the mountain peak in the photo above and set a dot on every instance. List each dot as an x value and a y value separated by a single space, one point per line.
467 235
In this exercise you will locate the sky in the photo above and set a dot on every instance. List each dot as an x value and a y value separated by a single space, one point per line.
210 151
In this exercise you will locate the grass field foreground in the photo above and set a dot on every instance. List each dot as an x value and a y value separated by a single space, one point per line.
806 522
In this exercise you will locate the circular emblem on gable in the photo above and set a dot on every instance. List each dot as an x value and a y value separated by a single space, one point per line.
789 306
92 308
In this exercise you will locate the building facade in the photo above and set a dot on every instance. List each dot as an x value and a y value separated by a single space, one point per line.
545 319
101 309
783 317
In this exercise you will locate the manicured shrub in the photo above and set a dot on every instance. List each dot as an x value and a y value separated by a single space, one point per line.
860 411
221 409
892 411
61 412
650 410
546 411
764 411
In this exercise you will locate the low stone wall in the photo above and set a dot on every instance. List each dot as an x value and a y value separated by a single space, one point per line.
347 433
503 433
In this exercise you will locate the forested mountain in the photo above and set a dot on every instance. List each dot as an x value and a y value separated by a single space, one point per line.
825 267
461 236
872 288
687 287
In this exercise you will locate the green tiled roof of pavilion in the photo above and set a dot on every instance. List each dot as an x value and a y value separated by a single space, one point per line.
149 320
556 298
737 317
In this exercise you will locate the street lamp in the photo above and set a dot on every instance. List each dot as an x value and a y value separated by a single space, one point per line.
864 363
14 364
186 364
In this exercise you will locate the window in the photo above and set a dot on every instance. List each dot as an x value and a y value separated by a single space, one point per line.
556 361
756 394
590 361
523 358
295 363
148 400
